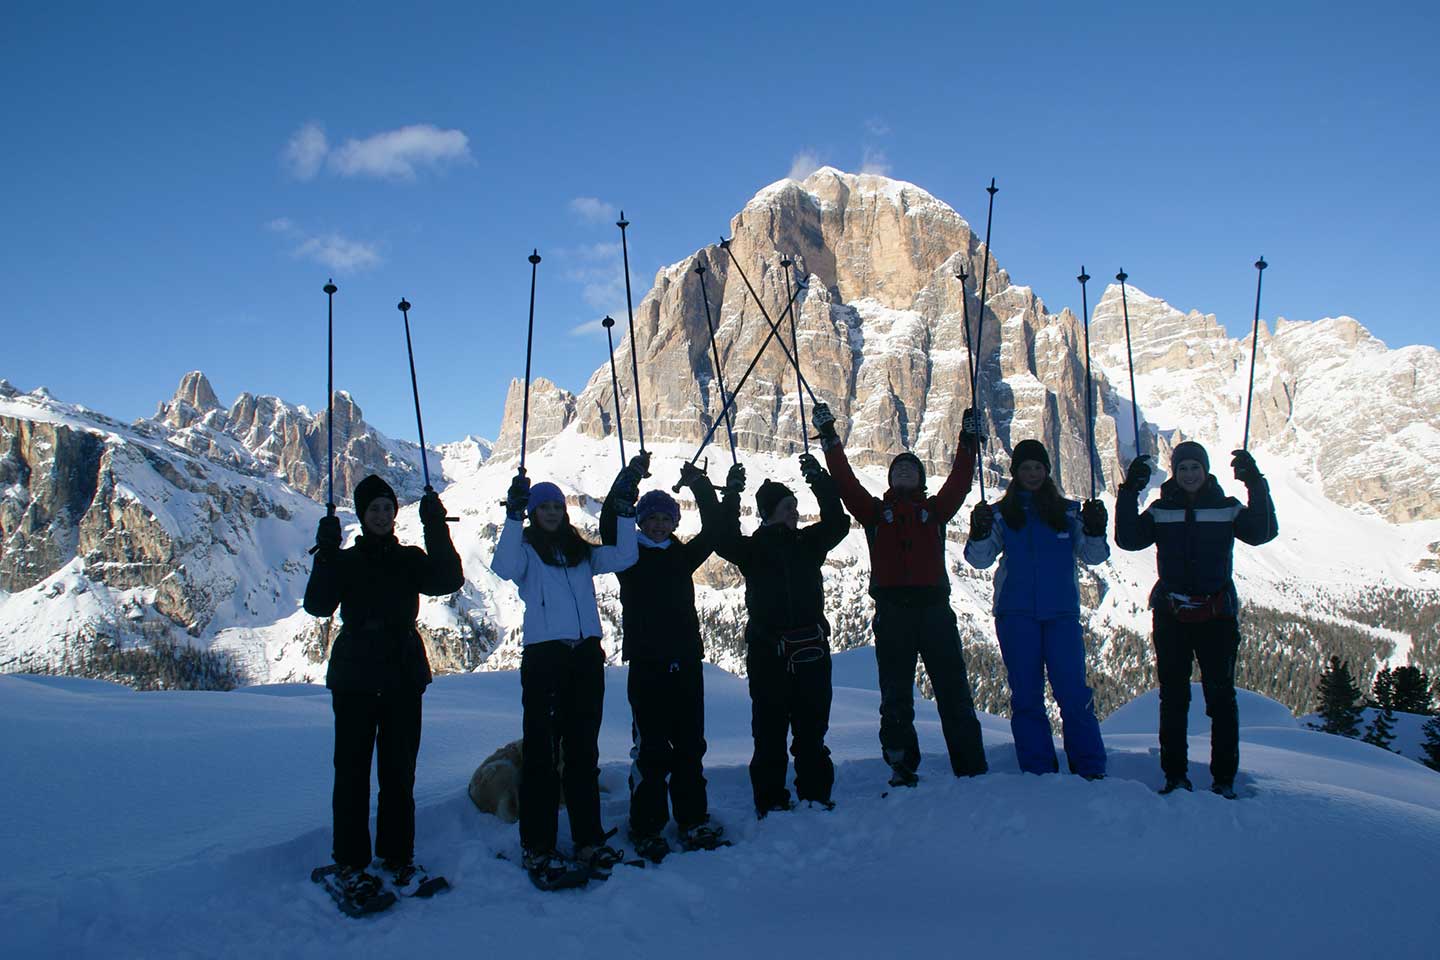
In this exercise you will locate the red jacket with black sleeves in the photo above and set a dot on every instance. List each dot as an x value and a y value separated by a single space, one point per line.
906 532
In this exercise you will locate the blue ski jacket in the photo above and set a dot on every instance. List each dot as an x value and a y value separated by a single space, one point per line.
1038 575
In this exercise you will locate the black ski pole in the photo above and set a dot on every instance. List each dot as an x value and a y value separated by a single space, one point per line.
715 358
962 276
529 343
608 323
977 405
330 290
622 223
404 307
725 245
730 401
1122 276
787 263
1089 388
1260 266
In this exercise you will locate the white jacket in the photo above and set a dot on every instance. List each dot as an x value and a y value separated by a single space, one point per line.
560 601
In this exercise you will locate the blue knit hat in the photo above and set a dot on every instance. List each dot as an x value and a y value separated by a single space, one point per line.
543 493
657 501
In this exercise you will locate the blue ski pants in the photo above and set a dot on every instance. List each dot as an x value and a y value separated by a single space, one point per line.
1031 649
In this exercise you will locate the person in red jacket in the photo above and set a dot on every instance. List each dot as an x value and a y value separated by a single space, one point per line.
911 587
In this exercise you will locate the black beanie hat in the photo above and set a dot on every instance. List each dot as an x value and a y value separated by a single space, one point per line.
1189 450
906 457
768 497
369 490
1029 450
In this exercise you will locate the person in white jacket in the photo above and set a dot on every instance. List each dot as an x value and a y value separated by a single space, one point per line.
562 669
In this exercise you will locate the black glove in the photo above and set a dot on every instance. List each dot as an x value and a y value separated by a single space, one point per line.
824 422
518 497
971 433
640 463
1137 475
735 478
810 468
691 475
328 537
1094 518
1245 469
431 509
625 491
982 521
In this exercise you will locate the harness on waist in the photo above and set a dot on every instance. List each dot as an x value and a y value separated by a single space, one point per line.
1198 607
802 645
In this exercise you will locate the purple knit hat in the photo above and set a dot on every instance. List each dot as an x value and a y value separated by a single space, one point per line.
657 501
543 493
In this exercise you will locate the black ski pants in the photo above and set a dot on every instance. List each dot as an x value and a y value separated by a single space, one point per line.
364 720
795 701
667 705
563 697
1214 645
903 633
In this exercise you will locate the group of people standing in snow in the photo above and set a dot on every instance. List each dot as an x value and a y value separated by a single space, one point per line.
378 669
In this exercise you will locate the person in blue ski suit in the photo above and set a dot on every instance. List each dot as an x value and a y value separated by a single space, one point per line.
1038 538
562 665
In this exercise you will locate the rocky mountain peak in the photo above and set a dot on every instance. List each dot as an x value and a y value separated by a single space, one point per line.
552 408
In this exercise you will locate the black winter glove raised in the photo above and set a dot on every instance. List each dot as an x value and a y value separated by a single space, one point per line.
328 537
735 478
824 422
1137 475
518 497
982 521
625 491
810 468
1094 518
1246 470
432 511
970 433
690 475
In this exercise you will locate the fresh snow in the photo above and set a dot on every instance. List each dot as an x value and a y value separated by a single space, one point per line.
185 824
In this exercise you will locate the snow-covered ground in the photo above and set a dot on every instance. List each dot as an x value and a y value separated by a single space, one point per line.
185 824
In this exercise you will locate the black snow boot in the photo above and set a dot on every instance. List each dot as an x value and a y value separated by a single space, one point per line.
1176 783
652 847
902 777
550 871
703 836
1223 788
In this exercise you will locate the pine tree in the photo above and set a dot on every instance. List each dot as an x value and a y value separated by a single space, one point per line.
1431 744
1412 690
1339 699
1381 731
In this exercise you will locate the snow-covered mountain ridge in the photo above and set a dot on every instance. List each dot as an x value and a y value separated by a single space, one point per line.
190 527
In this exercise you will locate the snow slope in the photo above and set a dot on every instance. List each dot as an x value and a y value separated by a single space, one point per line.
184 824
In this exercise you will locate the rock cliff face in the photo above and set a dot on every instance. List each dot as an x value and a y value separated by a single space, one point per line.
883 340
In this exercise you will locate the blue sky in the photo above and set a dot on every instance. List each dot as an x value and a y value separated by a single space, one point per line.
181 179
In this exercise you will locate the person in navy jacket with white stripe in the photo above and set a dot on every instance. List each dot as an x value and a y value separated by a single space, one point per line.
1039 537
1194 526
562 665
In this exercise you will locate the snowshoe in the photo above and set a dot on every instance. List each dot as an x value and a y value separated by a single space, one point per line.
1223 788
1176 783
652 847
354 891
601 859
703 836
1092 777
779 805
900 777
550 871
826 805
410 879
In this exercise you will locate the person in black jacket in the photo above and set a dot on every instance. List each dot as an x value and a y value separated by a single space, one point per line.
663 647
1194 526
378 672
787 637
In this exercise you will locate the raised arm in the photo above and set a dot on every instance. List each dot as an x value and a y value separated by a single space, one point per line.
1257 523
322 591
1087 532
962 472
626 551
698 550
826 533
862 505
721 521
987 540
1133 530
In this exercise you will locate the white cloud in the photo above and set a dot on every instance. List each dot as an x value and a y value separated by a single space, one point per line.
877 127
803 164
594 210
875 162
592 328
305 153
397 154
337 252
334 250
